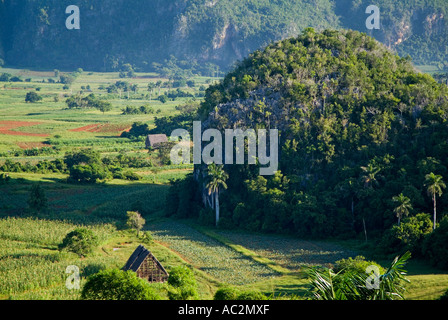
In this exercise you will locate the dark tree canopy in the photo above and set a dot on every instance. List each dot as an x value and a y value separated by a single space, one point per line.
117 285
358 125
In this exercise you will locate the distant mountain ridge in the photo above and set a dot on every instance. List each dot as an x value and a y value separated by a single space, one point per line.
33 33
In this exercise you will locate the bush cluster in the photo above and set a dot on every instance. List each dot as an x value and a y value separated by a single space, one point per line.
115 284
182 284
81 241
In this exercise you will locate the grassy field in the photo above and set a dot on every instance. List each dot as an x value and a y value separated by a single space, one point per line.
31 267
52 118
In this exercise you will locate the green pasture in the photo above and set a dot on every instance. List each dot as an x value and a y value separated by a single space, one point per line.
57 120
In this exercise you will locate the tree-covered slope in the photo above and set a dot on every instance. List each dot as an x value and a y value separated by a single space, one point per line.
33 33
415 27
358 126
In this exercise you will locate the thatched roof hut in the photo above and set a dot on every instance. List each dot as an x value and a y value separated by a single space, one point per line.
154 140
143 262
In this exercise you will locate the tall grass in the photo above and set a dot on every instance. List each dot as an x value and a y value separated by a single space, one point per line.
45 232
29 258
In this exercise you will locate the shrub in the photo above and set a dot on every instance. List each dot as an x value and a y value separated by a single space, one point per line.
182 284
4 77
137 110
32 97
435 245
117 285
37 200
163 99
327 285
4 178
66 79
16 79
146 237
85 166
135 221
132 176
408 236
251 295
138 129
81 241
357 265
89 173
87 156
226 293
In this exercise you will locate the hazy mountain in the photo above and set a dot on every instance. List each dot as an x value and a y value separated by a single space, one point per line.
33 33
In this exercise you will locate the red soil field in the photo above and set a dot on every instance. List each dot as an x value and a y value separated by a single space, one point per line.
32 145
86 128
7 126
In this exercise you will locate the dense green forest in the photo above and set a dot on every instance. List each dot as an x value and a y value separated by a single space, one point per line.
199 35
363 145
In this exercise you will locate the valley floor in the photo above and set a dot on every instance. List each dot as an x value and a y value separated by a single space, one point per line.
31 267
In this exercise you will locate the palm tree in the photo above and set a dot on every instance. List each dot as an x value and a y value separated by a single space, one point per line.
369 176
350 187
216 178
369 179
434 184
352 285
404 206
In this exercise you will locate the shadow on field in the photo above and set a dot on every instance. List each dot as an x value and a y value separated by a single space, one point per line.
86 204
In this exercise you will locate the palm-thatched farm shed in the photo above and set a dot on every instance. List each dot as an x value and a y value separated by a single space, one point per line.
154 140
143 262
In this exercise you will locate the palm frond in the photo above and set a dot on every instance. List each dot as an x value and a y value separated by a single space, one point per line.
352 285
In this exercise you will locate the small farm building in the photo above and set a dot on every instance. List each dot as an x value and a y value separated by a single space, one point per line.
143 262
154 140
